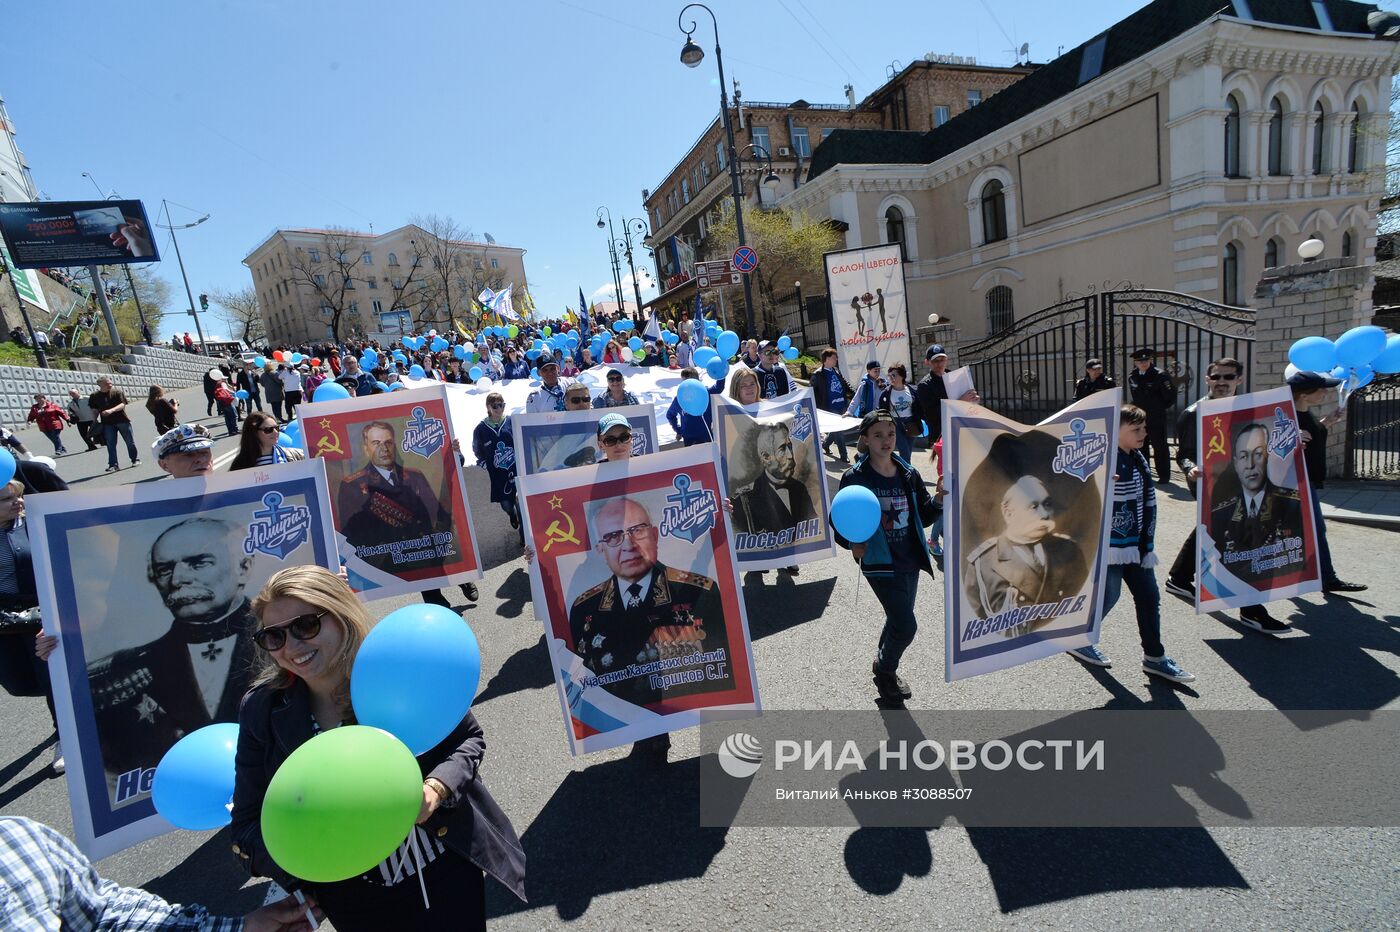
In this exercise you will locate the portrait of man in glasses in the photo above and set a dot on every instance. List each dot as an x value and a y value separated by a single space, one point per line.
1251 526
146 698
643 611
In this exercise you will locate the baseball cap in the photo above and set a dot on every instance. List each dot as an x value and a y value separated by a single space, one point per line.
878 416
187 438
872 364
217 375
1311 381
546 361
608 421
1144 354
934 351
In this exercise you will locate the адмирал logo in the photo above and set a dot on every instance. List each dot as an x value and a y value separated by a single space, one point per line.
741 755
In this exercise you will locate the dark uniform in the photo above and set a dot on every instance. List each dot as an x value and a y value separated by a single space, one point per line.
930 392
680 614
374 511
146 698
758 507
1087 386
1280 517
1154 393
1003 575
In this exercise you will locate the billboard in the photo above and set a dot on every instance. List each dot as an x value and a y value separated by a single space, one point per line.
868 310
54 234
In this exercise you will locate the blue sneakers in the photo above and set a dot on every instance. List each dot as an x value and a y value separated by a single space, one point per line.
1090 655
1167 669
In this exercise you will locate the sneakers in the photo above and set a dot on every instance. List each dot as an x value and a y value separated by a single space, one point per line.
890 685
57 765
1341 585
1090 655
1186 589
1260 620
136 462
470 591
1167 669
113 468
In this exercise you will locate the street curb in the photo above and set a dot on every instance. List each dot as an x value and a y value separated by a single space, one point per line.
1383 522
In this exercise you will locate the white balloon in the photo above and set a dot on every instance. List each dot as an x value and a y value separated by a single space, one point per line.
1289 371
484 382
933 318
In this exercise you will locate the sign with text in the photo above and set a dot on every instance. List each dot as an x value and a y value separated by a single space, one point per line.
56 234
868 307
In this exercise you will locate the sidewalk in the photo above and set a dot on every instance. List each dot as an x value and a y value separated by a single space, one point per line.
1374 504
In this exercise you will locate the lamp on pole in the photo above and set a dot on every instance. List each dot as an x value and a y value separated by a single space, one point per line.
770 180
691 55
126 267
203 349
630 227
612 255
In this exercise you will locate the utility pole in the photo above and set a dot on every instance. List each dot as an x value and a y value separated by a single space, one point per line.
188 293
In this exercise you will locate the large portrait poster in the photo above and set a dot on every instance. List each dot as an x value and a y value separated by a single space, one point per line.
638 589
397 490
771 467
1028 520
551 440
1255 536
868 307
147 588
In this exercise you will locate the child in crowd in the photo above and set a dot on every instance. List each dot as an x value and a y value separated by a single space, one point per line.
1130 556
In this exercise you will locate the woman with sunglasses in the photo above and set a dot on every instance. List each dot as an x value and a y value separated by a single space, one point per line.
617 394
257 444
493 445
311 625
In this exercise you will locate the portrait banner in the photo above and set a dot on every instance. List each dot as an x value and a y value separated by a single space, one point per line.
868 307
147 588
637 586
397 491
1026 535
1255 539
771 467
552 440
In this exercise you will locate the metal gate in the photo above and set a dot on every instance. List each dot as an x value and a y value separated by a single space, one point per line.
1028 371
1373 430
805 318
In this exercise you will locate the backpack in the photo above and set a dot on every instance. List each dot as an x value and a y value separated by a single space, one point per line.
222 394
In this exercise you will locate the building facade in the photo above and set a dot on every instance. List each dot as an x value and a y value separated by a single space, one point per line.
312 282
1186 148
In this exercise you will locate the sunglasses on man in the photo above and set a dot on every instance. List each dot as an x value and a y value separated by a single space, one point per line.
302 627
1222 377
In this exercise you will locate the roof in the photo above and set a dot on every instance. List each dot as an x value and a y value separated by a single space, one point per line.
1148 28
313 231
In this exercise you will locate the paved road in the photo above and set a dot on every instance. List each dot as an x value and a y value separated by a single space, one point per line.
614 843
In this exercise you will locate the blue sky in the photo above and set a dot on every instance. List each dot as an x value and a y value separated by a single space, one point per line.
517 119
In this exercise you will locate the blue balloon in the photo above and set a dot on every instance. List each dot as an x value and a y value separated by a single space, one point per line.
398 387
1313 354
474 373
693 398
1361 376
434 649
459 351
193 783
400 357
532 354
439 344
537 345
330 391
728 344
670 338
241 394
293 429
285 441
1359 345
259 361
790 353
717 368
571 340
855 513
535 374
1388 362
634 344
924 426
703 355
415 371
381 386
784 342
622 326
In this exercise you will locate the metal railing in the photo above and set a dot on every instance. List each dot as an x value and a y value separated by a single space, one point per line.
1373 430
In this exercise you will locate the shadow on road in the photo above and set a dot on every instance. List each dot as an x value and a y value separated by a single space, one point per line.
211 867
514 594
524 669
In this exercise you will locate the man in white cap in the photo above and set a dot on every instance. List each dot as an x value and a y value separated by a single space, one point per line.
185 452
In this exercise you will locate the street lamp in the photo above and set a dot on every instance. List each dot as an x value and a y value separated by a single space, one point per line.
203 349
612 256
126 267
691 55
630 227
1310 248
770 180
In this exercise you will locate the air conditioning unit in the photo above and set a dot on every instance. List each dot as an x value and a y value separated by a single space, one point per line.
784 152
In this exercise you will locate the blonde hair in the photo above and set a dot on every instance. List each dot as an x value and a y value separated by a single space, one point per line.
323 591
741 373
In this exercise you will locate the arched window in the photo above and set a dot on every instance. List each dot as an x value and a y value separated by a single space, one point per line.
1276 137
393 259
1354 140
1271 254
1346 245
894 230
993 214
1001 313
1230 273
1319 116
1232 137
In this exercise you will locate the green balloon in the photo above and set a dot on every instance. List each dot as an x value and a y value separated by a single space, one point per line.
639 355
513 331
547 331
476 357
341 803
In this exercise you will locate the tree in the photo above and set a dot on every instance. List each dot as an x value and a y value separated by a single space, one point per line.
242 314
454 273
152 291
790 246
329 271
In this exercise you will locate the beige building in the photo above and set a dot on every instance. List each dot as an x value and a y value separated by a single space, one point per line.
678 211
316 285
1186 148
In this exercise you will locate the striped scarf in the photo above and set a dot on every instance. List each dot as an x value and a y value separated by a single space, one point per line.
1134 512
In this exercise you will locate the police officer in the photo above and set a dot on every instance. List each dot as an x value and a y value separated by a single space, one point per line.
1153 392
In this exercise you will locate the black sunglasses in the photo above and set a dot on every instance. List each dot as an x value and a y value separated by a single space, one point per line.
302 627
613 440
267 430
1222 377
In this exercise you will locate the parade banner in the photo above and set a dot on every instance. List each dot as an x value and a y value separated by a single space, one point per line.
636 583
1028 521
49 234
868 307
147 588
553 440
397 491
1254 520
771 466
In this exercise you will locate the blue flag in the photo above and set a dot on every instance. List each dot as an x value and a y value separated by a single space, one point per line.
583 322
697 328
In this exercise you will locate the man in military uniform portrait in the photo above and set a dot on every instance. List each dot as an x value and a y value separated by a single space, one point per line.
774 501
146 698
644 611
1027 563
1258 515
385 502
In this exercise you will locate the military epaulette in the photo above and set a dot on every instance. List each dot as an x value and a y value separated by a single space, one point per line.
982 548
596 590
693 579
1287 493
1226 505
111 688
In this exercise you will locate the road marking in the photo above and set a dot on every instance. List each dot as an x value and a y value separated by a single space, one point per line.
225 459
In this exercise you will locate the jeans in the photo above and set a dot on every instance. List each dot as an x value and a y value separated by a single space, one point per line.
56 437
903 443
837 437
1147 602
111 431
896 594
1184 566
275 403
1324 552
230 418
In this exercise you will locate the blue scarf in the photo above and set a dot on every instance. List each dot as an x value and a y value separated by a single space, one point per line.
1134 512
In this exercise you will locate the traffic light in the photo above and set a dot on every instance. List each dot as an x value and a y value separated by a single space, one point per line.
204 302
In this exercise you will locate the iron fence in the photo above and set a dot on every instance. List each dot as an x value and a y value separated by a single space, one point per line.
808 321
1373 430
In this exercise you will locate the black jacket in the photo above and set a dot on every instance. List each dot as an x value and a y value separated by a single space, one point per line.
929 393
275 722
1186 444
1087 386
821 391
878 561
1152 391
